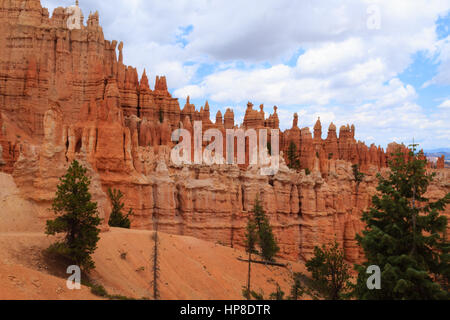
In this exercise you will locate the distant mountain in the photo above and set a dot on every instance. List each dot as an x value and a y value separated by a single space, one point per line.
432 155
437 153
440 150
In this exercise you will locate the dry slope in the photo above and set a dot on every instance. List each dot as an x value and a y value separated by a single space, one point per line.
190 268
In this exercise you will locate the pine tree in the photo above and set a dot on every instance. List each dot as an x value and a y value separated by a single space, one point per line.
330 273
404 236
359 176
266 239
77 217
161 115
294 162
277 295
250 246
297 290
258 232
117 218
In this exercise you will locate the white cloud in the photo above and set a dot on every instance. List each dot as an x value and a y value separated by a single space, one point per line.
442 49
445 104
331 57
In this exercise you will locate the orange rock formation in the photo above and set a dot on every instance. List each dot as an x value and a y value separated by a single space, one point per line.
68 96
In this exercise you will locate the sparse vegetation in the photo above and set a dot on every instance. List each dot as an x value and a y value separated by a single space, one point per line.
277 295
117 218
297 289
330 273
161 115
252 294
98 290
266 239
258 232
250 243
292 155
359 176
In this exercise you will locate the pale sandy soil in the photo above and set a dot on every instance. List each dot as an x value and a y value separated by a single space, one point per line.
16 213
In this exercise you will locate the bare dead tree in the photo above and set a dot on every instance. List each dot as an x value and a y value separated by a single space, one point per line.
156 269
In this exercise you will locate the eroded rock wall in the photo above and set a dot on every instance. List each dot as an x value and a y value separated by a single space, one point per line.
65 95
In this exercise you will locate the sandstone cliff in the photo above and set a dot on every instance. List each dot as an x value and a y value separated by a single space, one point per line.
65 95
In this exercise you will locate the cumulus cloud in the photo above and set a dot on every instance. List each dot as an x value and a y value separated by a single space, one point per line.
442 49
445 105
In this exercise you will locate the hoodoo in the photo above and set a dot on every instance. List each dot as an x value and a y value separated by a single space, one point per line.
66 94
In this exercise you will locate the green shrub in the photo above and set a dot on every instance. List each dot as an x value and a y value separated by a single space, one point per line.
117 218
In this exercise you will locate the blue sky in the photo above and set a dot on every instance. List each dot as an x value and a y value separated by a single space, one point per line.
381 65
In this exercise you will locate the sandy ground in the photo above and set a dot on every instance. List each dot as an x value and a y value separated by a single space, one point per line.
16 213
189 268
24 274
20 283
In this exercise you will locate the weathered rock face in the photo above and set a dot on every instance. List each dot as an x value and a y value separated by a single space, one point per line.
208 202
39 168
312 149
9 147
41 59
65 95
441 162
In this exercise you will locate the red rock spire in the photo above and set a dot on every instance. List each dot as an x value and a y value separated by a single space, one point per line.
318 130
143 84
295 121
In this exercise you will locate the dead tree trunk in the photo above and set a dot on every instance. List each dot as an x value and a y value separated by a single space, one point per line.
249 272
155 265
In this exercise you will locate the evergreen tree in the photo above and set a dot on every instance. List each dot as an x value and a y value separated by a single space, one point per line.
117 218
266 239
258 232
404 236
77 217
294 162
330 273
161 115
297 290
359 176
269 148
277 295
250 245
